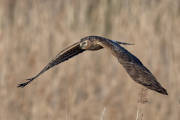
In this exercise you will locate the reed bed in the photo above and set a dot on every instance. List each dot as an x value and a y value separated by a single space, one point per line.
91 86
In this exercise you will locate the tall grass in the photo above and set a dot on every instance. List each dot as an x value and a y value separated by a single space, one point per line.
33 31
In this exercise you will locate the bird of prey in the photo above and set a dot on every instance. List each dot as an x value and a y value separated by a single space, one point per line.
134 67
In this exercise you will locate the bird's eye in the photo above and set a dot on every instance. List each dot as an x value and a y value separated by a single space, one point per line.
84 44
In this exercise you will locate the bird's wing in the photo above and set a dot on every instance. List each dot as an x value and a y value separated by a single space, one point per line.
141 75
134 67
64 55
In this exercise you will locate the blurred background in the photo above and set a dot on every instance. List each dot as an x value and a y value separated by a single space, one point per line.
91 86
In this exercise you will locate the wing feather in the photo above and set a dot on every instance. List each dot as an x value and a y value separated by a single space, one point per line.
134 67
64 55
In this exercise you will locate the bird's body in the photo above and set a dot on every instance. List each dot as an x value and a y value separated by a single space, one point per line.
134 67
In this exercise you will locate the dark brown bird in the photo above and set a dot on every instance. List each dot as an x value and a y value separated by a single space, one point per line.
134 67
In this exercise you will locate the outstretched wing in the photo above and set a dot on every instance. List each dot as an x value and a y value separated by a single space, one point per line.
134 67
141 75
64 55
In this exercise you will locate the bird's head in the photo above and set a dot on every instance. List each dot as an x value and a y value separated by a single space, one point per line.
86 44
89 43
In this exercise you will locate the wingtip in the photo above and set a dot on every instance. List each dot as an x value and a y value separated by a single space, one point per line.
22 85
125 43
163 91
129 44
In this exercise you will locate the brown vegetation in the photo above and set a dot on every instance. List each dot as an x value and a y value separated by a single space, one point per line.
33 31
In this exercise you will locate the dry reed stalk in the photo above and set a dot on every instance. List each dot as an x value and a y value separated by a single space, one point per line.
141 101
143 96
103 114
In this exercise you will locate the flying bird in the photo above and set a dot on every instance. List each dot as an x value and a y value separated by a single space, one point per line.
134 67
